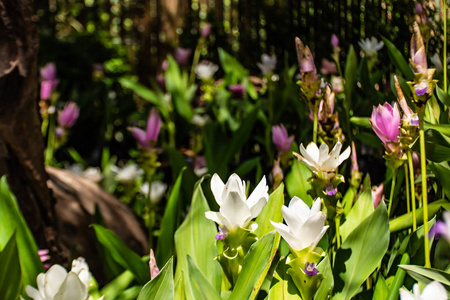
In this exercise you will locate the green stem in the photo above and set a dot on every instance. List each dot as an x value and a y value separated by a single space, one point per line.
316 121
413 189
51 141
408 202
423 166
391 196
196 59
398 279
444 59
338 223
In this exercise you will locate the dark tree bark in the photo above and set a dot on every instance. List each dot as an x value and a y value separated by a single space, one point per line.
21 143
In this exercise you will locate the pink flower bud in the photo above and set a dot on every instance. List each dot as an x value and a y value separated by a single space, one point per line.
385 122
148 137
328 67
69 115
377 194
154 270
182 56
334 41
206 30
281 139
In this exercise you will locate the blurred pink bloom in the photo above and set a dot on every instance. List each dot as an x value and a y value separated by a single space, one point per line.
281 139
206 30
418 54
48 80
43 255
154 270
69 115
377 194
334 41
328 67
355 166
237 91
305 61
200 167
182 56
385 122
165 65
148 137
276 170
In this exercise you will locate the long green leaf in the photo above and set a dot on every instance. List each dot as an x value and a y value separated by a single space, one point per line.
195 237
426 275
10 273
283 288
359 255
361 210
122 254
398 60
11 220
350 76
165 247
256 264
160 287
199 285
327 284
270 212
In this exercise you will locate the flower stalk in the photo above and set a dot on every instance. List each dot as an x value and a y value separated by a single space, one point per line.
413 189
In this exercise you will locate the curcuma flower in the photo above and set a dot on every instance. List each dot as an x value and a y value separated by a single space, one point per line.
205 70
267 64
147 138
48 80
58 284
305 226
319 161
235 209
434 290
69 115
370 46
385 122
281 139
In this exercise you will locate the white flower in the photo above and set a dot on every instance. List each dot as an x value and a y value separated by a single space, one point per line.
305 227
157 191
267 64
370 46
433 290
337 83
235 209
93 174
57 284
128 173
319 161
205 70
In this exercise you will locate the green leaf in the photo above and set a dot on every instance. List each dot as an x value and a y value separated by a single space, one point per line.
381 291
443 96
11 220
255 266
326 286
362 208
270 212
165 247
116 286
122 254
195 237
234 71
10 273
359 255
426 275
397 59
199 286
405 221
350 76
160 287
361 121
296 182
442 172
283 288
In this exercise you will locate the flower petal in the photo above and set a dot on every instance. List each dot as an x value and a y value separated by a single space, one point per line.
53 280
313 230
299 208
72 289
435 291
258 198
315 208
140 136
293 220
284 231
235 210
323 153
406 295
217 217
217 187
311 153
344 155
332 162
33 293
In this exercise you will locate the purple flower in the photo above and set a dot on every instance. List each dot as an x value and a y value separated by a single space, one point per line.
148 137
334 41
442 228
355 166
281 139
310 269
206 30
385 122
237 91
48 80
223 232
377 194
182 56
330 190
69 115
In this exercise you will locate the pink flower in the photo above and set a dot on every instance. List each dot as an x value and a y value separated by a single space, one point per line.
418 54
182 56
385 122
206 30
281 139
148 137
334 41
48 80
305 61
154 270
69 115
377 194
328 67
237 91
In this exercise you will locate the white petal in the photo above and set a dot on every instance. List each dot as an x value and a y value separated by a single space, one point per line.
313 230
299 207
435 291
311 153
41 284
316 207
218 218
344 155
292 219
323 153
332 162
406 295
53 279
72 289
258 198
81 268
33 293
235 210
283 230
310 164
217 187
